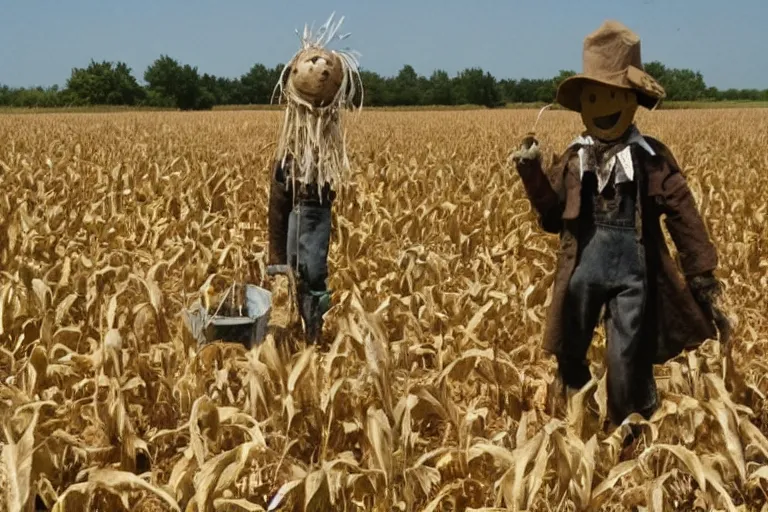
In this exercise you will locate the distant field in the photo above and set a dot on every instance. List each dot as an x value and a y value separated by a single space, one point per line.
432 393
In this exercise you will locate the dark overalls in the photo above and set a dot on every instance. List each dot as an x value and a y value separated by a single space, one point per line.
610 273
308 238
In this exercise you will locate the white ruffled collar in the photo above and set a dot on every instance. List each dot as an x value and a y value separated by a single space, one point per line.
625 170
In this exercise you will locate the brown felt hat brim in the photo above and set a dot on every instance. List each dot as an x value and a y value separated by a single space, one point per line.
649 91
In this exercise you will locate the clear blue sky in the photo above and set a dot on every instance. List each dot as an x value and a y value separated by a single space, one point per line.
40 41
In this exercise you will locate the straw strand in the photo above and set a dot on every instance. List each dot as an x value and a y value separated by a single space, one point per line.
311 134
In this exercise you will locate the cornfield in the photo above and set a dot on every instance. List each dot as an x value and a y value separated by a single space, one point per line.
431 392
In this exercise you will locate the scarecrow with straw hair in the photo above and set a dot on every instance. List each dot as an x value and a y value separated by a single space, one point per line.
311 163
604 196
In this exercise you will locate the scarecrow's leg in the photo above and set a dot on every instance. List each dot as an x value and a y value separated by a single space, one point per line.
631 385
309 256
586 294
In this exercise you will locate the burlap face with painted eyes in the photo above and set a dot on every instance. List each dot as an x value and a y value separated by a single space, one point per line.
607 112
316 76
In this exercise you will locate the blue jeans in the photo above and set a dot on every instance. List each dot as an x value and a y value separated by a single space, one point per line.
309 233
610 273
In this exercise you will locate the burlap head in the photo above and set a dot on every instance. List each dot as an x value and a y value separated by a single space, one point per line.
316 75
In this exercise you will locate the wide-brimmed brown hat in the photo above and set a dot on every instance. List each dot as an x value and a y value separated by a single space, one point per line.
611 56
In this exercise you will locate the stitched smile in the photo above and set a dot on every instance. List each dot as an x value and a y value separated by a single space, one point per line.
607 122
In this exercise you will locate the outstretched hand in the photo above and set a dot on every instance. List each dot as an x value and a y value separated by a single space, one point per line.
528 150
706 289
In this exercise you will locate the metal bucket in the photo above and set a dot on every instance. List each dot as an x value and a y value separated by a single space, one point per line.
249 330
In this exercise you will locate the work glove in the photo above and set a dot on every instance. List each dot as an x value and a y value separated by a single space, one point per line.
706 290
528 151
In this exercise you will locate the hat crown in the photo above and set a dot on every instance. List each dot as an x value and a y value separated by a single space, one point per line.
610 50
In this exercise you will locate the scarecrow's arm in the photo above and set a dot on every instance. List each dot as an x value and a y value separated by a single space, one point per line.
542 196
280 204
686 227
698 255
538 187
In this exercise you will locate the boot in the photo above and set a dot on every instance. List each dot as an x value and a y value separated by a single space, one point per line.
314 305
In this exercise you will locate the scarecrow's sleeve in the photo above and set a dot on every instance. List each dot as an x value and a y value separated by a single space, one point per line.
541 188
684 223
280 204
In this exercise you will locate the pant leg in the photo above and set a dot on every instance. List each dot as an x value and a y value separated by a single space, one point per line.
584 300
314 238
309 238
631 384
292 239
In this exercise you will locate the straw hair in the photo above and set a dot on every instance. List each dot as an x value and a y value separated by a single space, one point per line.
311 135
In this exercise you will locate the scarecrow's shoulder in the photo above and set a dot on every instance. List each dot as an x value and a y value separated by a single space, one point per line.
282 169
656 144
663 152
560 163
284 162
569 154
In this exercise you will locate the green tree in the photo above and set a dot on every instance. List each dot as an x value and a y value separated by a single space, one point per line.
377 90
529 89
546 91
439 89
258 84
191 95
163 77
171 84
224 91
31 97
103 83
685 85
475 87
509 90
679 84
405 87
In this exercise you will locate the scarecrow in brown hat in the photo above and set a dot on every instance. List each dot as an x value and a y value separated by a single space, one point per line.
311 162
604 197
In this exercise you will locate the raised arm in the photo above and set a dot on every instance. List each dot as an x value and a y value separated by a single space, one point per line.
540 191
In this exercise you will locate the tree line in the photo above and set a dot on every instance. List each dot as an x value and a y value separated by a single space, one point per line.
170 84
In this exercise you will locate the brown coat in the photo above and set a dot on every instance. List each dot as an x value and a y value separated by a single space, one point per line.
677 322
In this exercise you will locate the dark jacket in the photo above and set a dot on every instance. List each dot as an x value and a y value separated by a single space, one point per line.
674 321
282 199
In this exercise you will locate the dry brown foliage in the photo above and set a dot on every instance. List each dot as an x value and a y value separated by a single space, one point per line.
432 392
